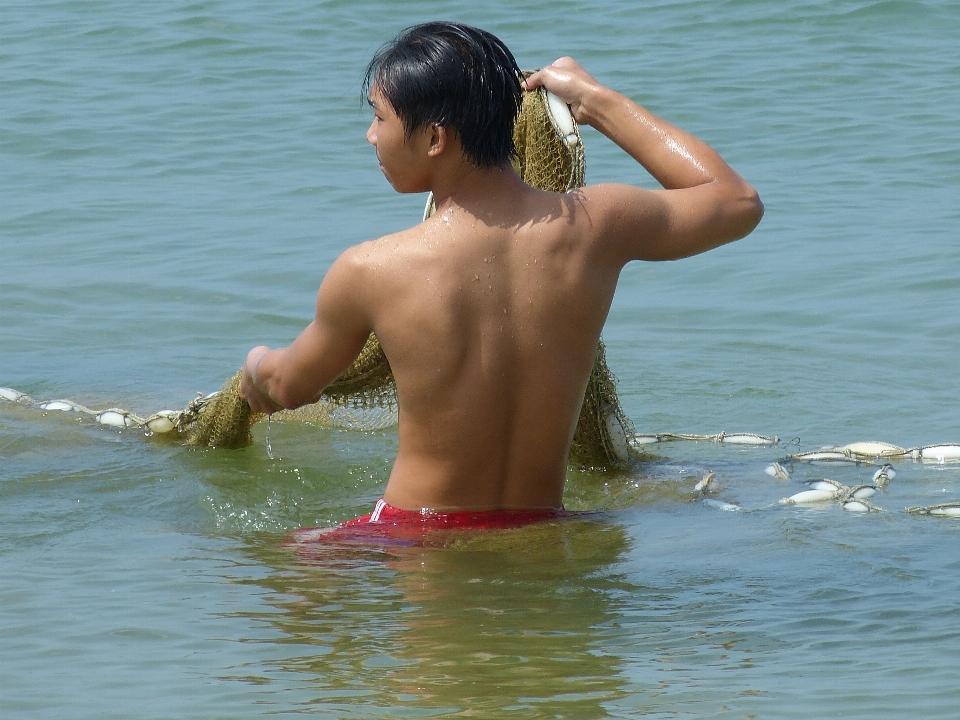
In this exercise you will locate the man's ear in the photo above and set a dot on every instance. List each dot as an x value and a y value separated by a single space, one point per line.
438 139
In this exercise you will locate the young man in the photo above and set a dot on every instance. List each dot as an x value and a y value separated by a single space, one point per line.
490 310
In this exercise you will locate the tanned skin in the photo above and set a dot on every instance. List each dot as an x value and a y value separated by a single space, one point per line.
490 311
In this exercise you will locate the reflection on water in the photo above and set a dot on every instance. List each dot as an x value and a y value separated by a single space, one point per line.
137 564
494 624
660 605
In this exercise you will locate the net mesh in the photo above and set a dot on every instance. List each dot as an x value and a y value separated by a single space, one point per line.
547 158
223 419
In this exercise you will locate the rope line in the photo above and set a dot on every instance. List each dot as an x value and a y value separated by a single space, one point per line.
858 452
852 499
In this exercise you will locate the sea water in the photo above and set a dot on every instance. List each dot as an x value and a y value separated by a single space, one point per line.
176 178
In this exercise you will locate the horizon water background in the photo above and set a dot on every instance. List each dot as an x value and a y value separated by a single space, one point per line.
175 178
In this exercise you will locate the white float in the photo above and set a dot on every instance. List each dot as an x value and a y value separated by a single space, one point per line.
937 453
873 450
810 496
63 405
11 394
115 418
776 470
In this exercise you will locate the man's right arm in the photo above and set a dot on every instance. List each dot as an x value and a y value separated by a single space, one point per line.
296 375
704 204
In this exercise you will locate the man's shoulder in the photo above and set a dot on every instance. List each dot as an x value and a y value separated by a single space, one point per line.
374 261
609 195
619 216
369 253
591 207
387 243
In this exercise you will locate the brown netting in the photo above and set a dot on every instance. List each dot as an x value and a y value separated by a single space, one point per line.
367 383
601 439
222 419
547 158
544 159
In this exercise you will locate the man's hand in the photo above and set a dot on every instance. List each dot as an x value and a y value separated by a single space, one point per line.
250 388
566 79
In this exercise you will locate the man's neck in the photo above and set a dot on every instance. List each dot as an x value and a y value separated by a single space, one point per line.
478 191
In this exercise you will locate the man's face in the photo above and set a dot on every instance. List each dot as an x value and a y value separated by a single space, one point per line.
402 160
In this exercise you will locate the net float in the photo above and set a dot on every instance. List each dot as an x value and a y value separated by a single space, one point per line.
116 418
776 470
705 483
936 453
884 475
64 405
809 496
860 506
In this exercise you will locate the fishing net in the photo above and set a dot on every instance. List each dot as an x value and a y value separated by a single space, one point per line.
550 157
601 439
549 148
224 419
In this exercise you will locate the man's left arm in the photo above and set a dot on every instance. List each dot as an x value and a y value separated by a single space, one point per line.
296 375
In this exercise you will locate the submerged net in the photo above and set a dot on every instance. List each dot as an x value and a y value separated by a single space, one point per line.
550 157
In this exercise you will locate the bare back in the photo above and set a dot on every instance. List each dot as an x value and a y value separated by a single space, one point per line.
491 331
490 311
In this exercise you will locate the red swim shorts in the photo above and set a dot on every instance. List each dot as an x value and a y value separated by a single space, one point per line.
388 525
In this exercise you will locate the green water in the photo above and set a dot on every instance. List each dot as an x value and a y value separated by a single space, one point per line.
174 180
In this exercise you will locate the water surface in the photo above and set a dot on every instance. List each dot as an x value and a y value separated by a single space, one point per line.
176 178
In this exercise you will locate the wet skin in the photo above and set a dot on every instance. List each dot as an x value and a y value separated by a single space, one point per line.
490 311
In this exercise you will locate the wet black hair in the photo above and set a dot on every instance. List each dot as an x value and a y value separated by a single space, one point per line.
456 76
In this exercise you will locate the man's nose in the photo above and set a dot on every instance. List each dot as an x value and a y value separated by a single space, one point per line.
372 133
